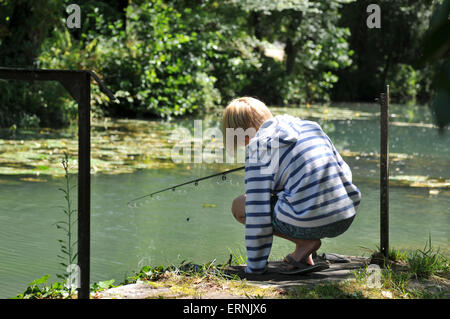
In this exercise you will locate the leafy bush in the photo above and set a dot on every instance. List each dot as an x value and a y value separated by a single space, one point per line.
314 49
156 64
403 86
169 58
27 104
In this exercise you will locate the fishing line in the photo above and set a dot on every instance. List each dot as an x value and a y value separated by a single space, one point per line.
195 181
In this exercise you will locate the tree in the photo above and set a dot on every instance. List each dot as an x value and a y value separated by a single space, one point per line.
437 51
314 47
386 55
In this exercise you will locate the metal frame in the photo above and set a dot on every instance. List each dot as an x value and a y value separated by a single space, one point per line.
78 84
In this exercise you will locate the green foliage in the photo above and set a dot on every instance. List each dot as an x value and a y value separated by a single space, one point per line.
314 48
387 55
437 51
39 289
403 83
165 64
157 64
102 285
427 262
22 31
68 252
147 273
397 255
209 269
238 256
167 58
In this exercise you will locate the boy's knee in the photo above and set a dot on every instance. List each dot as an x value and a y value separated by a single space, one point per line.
235 207
238 208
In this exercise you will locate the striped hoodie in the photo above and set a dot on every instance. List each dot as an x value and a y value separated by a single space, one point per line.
295 160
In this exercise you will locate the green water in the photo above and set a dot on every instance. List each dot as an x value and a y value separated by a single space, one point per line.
194 223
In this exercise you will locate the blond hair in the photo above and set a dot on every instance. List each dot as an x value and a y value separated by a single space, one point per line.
245 112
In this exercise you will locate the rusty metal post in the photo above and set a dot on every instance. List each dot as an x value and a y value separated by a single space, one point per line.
84 185
384 172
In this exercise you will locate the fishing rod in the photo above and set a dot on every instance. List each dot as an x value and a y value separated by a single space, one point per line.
195 181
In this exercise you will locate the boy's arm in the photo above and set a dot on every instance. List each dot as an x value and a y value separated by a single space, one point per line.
258 218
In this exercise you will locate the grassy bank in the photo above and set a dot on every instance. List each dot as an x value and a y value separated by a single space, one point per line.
419 274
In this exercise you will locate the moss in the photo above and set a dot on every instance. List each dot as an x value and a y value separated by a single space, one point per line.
186 291
242 288
329 290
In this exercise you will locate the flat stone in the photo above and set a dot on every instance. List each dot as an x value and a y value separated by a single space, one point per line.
336 272
138 290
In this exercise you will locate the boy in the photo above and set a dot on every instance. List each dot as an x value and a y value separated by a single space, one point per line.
297 185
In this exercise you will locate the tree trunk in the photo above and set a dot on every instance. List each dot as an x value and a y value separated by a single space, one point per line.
255 25
291 52
292 48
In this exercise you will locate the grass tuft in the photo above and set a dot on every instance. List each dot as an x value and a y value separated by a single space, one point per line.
427 262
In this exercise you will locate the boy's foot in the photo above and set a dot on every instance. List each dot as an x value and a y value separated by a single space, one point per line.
309 260
304 249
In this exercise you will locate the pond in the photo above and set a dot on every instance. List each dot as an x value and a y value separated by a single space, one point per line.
131 158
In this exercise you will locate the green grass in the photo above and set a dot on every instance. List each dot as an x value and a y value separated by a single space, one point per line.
398 284
397 255
427 262
209 269
239 256
410 274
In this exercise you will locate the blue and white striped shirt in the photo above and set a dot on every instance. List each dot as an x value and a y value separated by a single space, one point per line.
297 161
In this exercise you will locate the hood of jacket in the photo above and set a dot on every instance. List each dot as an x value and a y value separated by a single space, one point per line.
275 133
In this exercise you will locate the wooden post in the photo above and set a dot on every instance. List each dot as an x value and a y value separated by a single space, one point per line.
384 172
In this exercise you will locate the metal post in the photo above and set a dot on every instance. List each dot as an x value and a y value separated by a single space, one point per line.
384 173
84 185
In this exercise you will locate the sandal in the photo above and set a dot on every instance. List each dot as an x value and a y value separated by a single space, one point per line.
316 258
299 267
